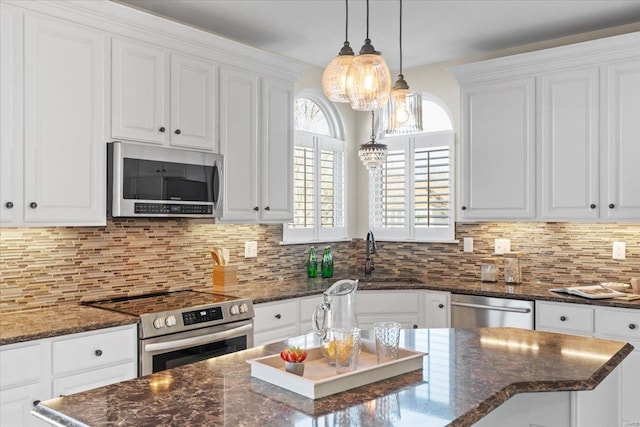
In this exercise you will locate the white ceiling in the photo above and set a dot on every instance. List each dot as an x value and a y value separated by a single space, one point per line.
312 31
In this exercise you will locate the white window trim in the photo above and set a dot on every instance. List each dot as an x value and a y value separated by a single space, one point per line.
408 233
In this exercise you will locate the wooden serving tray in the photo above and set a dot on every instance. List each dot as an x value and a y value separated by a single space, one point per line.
320 379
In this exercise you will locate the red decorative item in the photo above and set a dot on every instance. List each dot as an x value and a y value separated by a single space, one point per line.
294 355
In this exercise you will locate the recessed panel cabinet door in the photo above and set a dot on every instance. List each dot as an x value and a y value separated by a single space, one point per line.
238 144
276 151
65 150
193 100
498 150
139 102
622 130
569 144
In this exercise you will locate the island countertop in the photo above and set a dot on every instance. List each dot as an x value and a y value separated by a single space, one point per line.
466 375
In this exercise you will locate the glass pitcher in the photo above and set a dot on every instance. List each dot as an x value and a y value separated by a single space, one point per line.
339 311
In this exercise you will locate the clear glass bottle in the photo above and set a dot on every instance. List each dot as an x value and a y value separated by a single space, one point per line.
512 273
326 268
312 263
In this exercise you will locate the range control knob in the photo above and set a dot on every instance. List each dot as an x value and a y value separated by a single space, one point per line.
158 323
235 309
244 307
170 320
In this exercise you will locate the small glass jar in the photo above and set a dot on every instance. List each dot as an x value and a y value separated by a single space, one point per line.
512 272
489 270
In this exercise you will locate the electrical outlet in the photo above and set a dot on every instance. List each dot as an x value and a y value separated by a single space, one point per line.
251 249
467 246
619 250
502 246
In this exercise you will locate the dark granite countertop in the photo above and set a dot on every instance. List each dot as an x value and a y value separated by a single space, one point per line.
27 325
466 374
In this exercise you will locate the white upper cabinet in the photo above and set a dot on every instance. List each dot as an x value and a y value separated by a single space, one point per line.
257 146
621 186
54 171
553 135
569 144
498 162
162 97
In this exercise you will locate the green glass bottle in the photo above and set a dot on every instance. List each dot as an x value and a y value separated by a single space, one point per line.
312 263
326 269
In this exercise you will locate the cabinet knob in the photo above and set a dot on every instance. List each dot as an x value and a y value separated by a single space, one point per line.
611 206
35 402
415 326
267 208
256 209
9 205
632 325
440 305
464 208
178 132
592 205
563 318
98 353
33 205
278 316
162 129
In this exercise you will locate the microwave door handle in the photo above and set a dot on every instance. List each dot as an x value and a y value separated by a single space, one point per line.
217 192
202 339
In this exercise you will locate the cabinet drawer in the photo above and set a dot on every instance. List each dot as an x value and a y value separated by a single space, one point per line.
87 351
387 302
93 379
271 316
568 318
20 365
624 324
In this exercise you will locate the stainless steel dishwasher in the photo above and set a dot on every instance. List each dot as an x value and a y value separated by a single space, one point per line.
473 311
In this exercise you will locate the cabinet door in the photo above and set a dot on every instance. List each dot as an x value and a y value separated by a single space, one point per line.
11 205
498 150
193 100
65 150
276 151
630 379
276 321
139 100
238 144
16 404
437 310
93 379
568 120
622 192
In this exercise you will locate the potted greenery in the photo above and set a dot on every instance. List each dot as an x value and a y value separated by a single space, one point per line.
294 358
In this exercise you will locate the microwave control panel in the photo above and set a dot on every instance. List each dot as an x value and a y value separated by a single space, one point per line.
171 208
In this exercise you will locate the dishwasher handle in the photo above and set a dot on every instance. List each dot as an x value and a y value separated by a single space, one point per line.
492 307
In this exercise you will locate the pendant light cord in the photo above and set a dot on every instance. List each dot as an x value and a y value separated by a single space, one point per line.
400 37
373 135
346 21
367 19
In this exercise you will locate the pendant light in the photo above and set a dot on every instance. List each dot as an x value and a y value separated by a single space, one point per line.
334 77
368 78
403 112
372 153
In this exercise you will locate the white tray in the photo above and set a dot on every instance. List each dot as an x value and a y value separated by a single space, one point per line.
320 379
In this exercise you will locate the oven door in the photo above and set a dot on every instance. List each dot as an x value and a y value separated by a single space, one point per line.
170 351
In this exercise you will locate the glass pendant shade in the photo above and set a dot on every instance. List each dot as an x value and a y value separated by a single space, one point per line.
403 113
334 77
368 82
372 155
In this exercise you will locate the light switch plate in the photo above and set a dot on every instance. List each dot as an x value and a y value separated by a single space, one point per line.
467 245
502 246
251 249
619 250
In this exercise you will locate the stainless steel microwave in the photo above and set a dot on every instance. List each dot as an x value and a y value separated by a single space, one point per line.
147 181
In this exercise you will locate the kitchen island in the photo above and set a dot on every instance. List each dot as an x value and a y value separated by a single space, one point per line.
467 375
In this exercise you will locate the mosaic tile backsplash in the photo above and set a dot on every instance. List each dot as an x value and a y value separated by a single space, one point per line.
45 266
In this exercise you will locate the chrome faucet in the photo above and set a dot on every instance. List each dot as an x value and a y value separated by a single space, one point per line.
370 249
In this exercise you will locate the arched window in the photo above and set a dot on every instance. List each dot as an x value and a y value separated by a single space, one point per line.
412 197
319 172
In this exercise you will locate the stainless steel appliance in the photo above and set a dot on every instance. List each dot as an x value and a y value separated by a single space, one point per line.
147 181
473 311
182 327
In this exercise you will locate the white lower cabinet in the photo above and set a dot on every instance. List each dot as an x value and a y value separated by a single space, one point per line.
551 409
275 321
307 307
436 309
390 306
43 369
614 401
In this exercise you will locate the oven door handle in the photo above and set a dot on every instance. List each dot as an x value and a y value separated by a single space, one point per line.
203 339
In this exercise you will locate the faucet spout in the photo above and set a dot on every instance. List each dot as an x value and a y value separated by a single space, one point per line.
370 249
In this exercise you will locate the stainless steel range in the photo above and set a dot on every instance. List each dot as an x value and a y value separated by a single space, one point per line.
181 327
